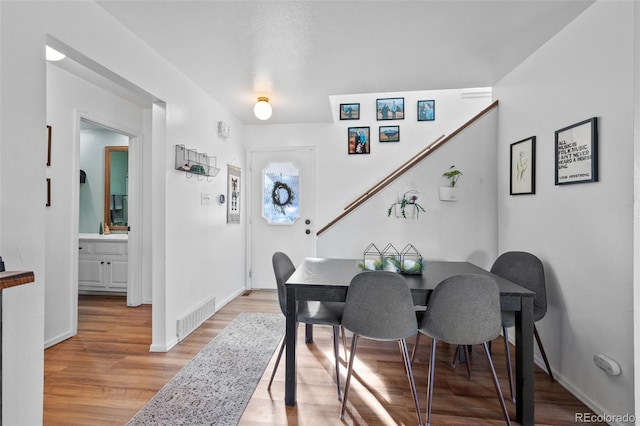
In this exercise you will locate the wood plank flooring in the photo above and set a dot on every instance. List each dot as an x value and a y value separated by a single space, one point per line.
105 374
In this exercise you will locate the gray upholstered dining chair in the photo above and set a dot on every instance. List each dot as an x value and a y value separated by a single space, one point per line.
463 310
379 306
526 270
309 312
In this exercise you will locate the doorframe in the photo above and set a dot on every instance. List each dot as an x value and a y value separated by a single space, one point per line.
134 252
249 197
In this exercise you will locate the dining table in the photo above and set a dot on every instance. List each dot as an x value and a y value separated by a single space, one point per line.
326 279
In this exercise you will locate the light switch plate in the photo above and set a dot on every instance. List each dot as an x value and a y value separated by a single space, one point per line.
205 198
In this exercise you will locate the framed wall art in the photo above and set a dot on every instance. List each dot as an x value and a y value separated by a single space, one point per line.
389 133
48 203
233 194
48 145
523 167
390 109
349 111
359 140
426 110
577 153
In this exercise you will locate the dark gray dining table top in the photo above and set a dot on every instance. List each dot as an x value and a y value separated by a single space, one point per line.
339 272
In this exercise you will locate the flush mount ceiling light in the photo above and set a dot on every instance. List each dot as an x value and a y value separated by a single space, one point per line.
53 55
262 109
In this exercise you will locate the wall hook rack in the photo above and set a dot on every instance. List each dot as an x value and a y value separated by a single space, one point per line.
196 163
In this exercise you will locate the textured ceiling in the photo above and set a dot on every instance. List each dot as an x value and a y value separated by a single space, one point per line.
299 53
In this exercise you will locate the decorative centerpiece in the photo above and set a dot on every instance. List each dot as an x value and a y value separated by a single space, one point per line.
408 205
372 259
411 261
390 259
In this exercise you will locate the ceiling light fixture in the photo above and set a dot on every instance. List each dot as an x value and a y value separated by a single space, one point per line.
53 55
262 109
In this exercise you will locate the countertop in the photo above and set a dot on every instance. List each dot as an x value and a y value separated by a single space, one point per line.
110 237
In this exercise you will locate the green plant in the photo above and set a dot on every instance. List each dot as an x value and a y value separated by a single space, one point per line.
453 175
410 198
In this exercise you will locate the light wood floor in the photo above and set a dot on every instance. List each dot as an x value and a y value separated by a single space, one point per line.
105 374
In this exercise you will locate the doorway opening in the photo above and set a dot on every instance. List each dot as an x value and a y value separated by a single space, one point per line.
103 210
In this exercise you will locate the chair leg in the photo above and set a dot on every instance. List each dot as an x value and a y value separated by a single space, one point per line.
415 347
275 367
455 356
432 367
544 355
336 350
344 342
496 384
466 361
507 353
354 342
412 383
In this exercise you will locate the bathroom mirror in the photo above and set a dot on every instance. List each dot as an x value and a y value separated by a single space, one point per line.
116 179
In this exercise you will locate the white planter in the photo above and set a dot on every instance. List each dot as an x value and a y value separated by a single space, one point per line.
448 193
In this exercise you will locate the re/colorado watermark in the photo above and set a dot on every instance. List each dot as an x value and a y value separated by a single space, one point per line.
604 418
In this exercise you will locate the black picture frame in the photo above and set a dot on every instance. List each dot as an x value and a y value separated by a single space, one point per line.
576 153
49 131
234 180
359 140
389 133
390 109
350 111
427 110
523 167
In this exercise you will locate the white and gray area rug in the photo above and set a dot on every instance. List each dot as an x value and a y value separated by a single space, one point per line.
215 387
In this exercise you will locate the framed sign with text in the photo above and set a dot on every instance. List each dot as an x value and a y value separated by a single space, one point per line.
577 153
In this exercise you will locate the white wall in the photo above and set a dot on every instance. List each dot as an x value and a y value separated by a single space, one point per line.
342 177
190 244
464 230
22 217
583 233
66 97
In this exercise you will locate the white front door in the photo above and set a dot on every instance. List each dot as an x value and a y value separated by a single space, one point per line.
282 215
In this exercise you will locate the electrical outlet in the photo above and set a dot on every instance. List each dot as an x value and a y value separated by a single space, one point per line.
205 198
606 363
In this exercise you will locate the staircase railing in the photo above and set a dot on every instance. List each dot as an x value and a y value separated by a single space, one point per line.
405 167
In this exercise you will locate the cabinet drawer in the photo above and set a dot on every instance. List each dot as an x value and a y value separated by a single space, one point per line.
85 248
101 247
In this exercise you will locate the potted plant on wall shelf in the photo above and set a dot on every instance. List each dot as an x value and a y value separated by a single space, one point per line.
449 193
407 207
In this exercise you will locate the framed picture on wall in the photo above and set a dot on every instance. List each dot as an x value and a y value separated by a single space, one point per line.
233 194
390 109
48 145
523 167
349 111
359 140
577 153
389 133
427 110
